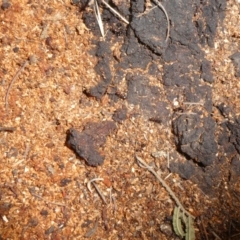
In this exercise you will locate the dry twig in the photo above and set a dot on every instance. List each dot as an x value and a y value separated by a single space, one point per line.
143 164
114 11
166 14
99 192
92 181
49 202
13 80
204 229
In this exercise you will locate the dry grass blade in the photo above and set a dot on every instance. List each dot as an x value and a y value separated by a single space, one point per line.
166 14
142 163
98 17
91 181
114 11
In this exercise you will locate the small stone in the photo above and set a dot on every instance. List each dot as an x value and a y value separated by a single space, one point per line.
44 212
166 229
49 11
33 59
33 222
50 230
5 5
16 49
65 181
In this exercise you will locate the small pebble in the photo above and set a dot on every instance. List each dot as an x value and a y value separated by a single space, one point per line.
5 5
166 229
16 49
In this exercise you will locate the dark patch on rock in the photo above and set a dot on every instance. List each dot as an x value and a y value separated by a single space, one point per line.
227 148
90 21
212 13
234 128
134 55
123 7
104 53
236 62
82 4
195 138
162 113
206 71
87 142
148 98
208 179
185 169
120 115
226 110
235 169
149 28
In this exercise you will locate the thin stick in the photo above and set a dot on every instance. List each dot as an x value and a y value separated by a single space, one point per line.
204 229
13 80
142 163
114 11
54 203
215 235
99 192
168 160
26 151
166 14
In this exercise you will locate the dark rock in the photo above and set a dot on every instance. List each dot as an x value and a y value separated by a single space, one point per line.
225 110
166 229
64 182
33 222
120 114
235 169
16 49
212 13
234 127
44 212
86 143
147 97
186 169
206 71
134 55
236 62
149 28
5 5
50 230
195 138
102 68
